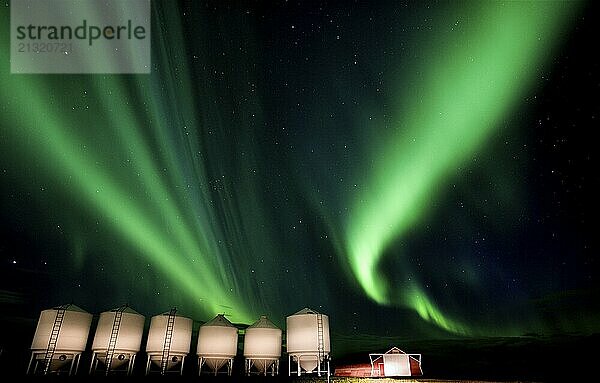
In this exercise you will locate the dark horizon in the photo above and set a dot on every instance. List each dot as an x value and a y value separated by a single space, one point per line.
527 358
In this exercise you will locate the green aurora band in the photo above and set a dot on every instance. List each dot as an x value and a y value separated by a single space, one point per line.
104 162
477 77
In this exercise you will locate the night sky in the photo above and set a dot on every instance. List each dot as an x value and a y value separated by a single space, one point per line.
410 169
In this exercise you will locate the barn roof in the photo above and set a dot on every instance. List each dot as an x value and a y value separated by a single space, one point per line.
375 356
395 350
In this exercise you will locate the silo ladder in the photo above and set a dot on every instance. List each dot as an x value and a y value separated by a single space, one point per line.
320 345
168 338
58 321
114 334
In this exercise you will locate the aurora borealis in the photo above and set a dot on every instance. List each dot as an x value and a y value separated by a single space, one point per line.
395 165
462 98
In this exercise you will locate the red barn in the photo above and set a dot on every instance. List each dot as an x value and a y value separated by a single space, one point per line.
396 362
360 370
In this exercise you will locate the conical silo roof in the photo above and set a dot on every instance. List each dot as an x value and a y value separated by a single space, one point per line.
127 310
306 310
70 307
168 313
219 320
263 322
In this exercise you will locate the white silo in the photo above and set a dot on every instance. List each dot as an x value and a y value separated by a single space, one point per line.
217 344
117 340
60 338
308 342
169 340
262 347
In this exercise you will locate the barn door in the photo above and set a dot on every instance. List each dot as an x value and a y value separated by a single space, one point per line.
396 365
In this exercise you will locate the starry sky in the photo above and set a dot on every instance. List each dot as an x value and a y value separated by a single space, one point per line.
411 169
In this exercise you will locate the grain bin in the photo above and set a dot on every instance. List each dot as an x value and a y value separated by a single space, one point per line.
169 340
217 344
117 340
308 342
262 347
60 338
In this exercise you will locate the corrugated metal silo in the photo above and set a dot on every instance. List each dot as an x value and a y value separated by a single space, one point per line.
169 340
308 342
217 344
60 338
117 340
262 347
